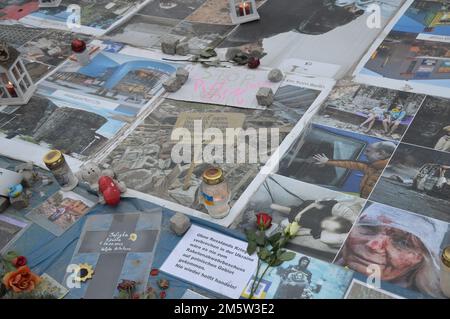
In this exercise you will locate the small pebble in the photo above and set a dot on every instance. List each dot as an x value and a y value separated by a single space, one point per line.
265 96
172 84
182 75
169 45
275 76
182 48
180 223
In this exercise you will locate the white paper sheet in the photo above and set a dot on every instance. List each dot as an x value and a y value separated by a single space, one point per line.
234 86
211 260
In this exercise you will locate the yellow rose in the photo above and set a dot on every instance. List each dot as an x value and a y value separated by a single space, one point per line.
292 229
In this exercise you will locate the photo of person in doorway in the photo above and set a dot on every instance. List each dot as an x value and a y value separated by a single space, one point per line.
378 155
336 159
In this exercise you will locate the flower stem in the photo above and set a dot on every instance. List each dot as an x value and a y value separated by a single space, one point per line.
260 279
253 289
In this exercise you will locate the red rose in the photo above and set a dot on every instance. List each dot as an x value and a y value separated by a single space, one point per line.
19 261
263 221
253 63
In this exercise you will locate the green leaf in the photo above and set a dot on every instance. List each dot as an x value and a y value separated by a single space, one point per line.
9 267
250 234
251 247
287 256
241 58
264 254
260 238
123 295
10 255
274 238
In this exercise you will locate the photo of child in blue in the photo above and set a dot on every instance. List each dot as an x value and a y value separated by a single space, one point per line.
393 119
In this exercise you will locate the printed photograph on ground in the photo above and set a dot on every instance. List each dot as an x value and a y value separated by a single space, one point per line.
302 278
59 212
431 127
291 32
416 52
142 31
115 81
325 216
94 17
402 246
369 110
9 228
418 180
338 160
78 129
172 9
143 160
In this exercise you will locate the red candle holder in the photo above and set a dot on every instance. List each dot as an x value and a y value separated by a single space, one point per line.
244 9
78 46
11 90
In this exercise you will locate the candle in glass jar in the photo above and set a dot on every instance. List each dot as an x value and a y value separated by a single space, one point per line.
244 8
215 193
81 52
11 90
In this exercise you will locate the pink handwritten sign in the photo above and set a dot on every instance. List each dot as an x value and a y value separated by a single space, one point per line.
235 86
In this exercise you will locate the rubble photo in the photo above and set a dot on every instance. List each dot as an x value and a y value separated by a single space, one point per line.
143 160
416 179
367 109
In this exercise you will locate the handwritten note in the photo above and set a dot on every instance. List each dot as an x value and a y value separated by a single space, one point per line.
235 86
212 260
116 241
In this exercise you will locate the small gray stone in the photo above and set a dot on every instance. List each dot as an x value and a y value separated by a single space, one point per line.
169 45
182 48
19 202
182 75
4 203
172 84
231 53
275 75
265 96
180 223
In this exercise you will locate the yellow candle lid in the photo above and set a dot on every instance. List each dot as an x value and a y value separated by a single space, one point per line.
52 157
213 175
446 256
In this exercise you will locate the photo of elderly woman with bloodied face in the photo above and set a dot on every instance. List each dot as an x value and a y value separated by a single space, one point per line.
404 247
